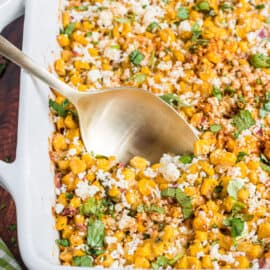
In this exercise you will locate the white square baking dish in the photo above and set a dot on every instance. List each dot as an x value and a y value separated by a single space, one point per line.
30 177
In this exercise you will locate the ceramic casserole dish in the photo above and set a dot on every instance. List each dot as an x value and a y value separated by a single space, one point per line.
30 178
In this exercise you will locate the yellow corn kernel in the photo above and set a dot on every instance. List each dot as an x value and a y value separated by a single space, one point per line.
68 180
75 202
75 79
59 66
222 157
60 124
103 164
194 249
141 263
75 240
79 219
201 236
59 142
77 165
196 119
63 164
69 122
66 256
228 204
207 262
146 186
66 55
62 199
67 231
169 233
83 87
182 263
199 224
144 250
107 260
208 169
179 56
139 163
126 29
264 230
253 251
119 235
63 40
214 57
79 65
243 194
93 52
242 262
61 222
158 248
253 165
114 192
129 174
88 160
202 147
78 252
132 197
65 18
208 186
79 38
87 26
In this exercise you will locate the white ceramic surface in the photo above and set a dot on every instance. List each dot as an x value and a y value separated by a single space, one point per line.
30 177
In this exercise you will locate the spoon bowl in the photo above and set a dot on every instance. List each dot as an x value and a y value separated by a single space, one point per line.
123 121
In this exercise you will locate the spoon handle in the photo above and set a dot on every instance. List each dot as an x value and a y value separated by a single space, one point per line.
19 58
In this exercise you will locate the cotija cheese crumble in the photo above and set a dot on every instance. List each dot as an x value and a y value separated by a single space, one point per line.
210 60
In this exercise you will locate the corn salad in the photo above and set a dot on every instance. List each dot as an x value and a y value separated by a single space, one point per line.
209 60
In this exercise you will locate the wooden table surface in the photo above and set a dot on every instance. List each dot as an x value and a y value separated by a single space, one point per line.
9 97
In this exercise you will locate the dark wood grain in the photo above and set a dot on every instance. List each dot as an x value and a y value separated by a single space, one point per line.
9 97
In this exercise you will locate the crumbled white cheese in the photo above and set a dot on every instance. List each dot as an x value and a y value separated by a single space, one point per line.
184 26
84 190
126 221
59 208
72 152
214 253
113 54
132 245
110 239
164 65
94 75
170 172
105 18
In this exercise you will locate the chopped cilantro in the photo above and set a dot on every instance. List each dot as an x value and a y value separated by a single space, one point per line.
136 57
185 203
259 60
150 208
243 121
265 164
69 29
218 189
233 187
217 93
240 156
82 8
163 262
196 31
215 128
152 27
260 6
95 233
62 242
69 196
168 192
183 13
173 100
226 7
268 20
186 159
203 6
139 78
122 20
83 261
60 109
89 34
236 224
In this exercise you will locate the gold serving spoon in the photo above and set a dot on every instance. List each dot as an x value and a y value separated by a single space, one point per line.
123 121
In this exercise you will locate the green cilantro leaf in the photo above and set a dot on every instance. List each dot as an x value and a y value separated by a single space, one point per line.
163 261
62 242
260 6
196 31
95 233
240 156
243 120
139 78
122 20
217 93
136 57
185 203
259 60
152 27
60 109
237 225
83 261
69 29
226 7
183 13
150 208
215 128
168 192
203 6
173 100
233 187
186 159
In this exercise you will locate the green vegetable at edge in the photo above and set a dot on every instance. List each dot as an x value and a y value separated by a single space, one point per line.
259 60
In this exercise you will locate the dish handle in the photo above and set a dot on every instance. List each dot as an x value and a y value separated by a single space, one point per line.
9 11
